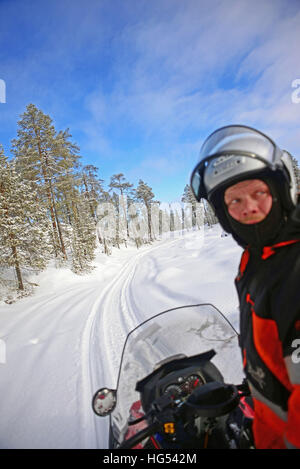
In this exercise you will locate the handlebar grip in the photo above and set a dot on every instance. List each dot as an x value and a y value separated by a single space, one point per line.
213 399
140 436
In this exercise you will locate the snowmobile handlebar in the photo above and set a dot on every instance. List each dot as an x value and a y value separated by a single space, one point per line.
140 436
211 400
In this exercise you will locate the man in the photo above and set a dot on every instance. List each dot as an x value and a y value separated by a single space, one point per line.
250 183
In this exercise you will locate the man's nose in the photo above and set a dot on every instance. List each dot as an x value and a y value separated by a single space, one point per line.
249 206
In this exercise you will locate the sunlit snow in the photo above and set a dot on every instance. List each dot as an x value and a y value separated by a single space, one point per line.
64 342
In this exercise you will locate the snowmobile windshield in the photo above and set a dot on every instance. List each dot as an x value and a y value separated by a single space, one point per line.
188 331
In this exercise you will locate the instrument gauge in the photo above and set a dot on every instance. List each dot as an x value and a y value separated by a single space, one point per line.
174 390
192 382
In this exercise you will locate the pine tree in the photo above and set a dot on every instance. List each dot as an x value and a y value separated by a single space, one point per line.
138 223
120 225
197 208
209 214
297 172
177 217
164 219
104 199
144 194
42 155
78 226
189 198
24 225
83 235
92 187
119 182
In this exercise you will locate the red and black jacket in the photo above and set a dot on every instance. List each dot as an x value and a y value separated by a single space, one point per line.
268 286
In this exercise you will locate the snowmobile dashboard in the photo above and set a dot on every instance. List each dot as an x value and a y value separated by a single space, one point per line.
177 377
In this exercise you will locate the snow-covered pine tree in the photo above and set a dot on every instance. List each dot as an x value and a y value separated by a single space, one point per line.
41 156
297 172
188 196
120 226
177 218
78 224
144 194
118 181
196 207
172 219
134 221
103 235
209 214
92 187
138 222
24 225
202 212
164 219
83 235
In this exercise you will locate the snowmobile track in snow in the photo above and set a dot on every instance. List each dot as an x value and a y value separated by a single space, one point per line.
111 318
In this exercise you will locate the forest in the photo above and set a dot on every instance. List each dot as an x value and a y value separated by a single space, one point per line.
55 209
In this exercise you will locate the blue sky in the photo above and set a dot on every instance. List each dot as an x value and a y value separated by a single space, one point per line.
141 83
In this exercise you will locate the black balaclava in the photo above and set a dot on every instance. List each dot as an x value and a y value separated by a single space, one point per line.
258 234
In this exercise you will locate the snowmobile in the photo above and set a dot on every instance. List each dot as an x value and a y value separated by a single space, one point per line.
171 392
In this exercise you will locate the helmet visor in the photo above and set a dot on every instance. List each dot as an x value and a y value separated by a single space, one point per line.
230 152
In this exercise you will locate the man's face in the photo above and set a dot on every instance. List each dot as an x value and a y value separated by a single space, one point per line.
248 201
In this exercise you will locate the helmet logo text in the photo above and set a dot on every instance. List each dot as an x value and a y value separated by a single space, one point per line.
226 163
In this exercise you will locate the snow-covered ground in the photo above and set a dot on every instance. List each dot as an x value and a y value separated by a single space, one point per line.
62 344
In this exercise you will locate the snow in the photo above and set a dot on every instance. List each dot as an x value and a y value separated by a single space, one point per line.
60 345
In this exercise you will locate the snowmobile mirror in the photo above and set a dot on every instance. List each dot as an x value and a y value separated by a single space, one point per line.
104 401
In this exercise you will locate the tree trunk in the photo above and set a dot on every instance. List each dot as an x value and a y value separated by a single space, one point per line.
52 215
149 222
124 205
17 268
57 222
14 253
89 201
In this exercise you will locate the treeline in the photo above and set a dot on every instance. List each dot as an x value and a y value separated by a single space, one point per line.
53 207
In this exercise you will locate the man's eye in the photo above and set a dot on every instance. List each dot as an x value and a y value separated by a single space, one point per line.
234 201
260 193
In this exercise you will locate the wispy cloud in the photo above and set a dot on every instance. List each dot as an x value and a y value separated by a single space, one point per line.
178 69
